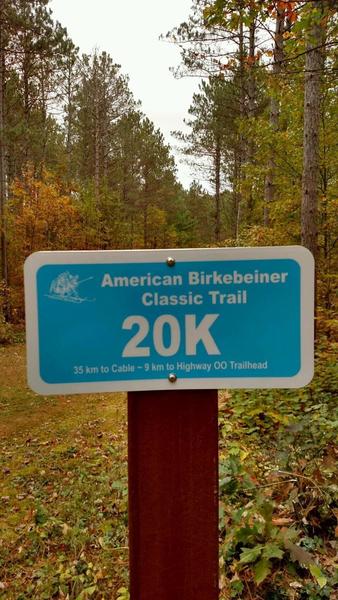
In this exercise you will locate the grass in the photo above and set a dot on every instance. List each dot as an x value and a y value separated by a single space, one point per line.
63 491
63 498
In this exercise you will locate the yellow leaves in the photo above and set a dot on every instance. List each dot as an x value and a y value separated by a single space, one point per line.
65 529
287 35
244 454
207 12
159 232
41 216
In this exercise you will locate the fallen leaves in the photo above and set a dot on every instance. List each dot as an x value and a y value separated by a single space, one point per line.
53 470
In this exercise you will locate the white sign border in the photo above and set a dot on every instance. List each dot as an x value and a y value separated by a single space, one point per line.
297 253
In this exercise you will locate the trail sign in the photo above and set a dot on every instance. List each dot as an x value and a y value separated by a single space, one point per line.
184 320
169 319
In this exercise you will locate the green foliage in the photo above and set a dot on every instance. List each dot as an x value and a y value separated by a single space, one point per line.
277 487
102 176
123 594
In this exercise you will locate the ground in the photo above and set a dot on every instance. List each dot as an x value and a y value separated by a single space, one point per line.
62 490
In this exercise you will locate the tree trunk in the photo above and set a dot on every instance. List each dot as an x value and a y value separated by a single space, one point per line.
269 190
3 174
43 108
97 155
252 95
145 210
240 151
252 91
145 224
312 100
26 69
218 192
237 193
69 118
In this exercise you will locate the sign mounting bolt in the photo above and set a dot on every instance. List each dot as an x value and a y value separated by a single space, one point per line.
172 377
171 261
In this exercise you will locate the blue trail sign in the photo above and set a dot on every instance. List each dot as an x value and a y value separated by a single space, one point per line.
169 319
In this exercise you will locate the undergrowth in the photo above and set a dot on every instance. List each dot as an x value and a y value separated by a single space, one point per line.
63 491
278 490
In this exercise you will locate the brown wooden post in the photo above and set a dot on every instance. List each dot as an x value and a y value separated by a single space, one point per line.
173 495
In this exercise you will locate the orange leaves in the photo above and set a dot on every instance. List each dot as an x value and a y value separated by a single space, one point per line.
292 16
287 8
252 60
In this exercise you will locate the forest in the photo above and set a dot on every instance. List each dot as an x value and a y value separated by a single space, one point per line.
83 168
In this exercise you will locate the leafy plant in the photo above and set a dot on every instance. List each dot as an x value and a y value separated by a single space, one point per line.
277 489
123 594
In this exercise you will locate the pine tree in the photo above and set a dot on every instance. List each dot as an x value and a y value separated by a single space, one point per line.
211 139
157 176
103 98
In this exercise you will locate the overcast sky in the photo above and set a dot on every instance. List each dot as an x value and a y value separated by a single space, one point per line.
129 31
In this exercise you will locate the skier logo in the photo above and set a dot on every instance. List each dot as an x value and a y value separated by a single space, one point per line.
65 288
